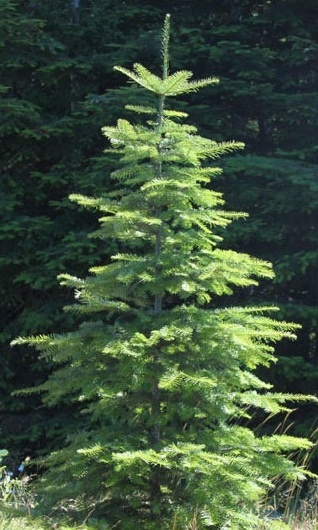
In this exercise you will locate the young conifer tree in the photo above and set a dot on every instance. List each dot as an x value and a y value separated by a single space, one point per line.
164 373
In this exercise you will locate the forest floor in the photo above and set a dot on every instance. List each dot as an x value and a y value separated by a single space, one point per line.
28 523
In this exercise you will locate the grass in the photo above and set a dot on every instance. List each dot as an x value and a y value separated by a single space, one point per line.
301 522
30 523
305 517
8 523
301 512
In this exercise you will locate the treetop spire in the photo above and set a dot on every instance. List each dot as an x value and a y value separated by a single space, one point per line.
165 46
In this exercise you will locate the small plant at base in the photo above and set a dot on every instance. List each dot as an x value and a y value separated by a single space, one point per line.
15 494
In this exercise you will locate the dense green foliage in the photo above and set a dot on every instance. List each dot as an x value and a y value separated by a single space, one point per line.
47 140
161 370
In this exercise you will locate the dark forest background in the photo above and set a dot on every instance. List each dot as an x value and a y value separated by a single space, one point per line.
58 88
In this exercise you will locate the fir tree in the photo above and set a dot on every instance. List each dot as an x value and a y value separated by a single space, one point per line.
165 371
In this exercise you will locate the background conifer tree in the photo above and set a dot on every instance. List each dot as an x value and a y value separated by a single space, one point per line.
162 366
